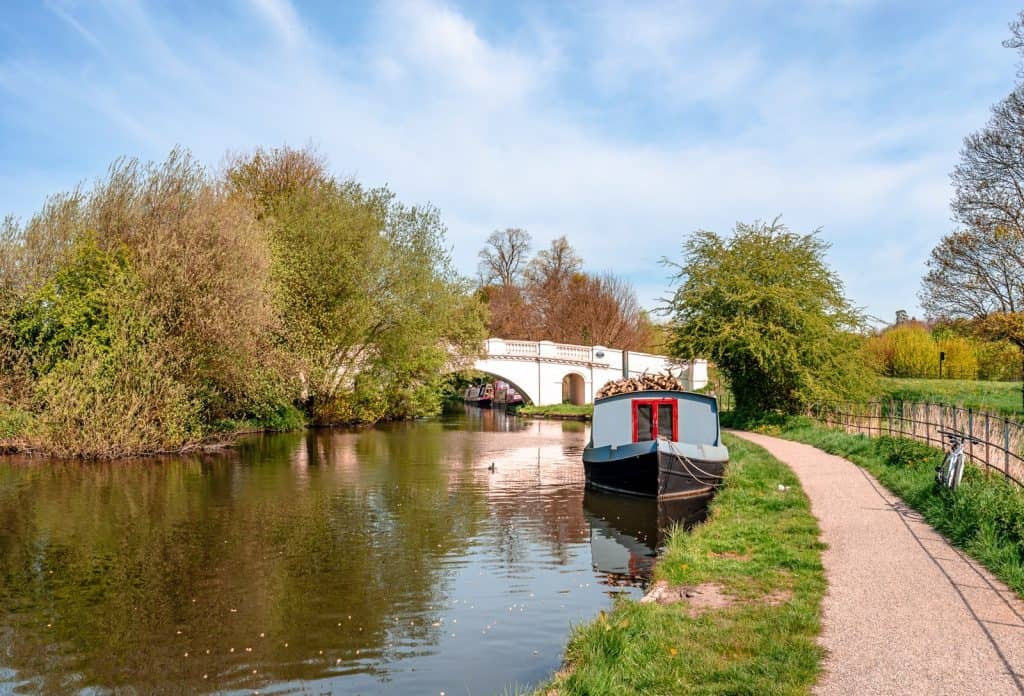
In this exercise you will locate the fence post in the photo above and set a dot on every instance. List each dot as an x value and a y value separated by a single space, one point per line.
1006 447
988 442
970 431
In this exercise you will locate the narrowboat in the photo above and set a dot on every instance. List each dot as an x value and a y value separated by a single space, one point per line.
480 395
506 395
656 443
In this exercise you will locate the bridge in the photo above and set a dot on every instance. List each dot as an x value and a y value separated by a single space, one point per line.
551 373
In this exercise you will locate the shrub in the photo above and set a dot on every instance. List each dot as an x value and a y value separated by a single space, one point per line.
914 353
998 360
877 352
961 361
899 451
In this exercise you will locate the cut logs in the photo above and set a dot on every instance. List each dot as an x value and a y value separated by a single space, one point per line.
664 381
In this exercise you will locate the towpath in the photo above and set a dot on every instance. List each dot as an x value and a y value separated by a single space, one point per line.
905 611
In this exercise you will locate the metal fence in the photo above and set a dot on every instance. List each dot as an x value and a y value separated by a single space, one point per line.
1002 439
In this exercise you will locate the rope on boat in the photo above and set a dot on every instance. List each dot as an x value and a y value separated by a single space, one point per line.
690 466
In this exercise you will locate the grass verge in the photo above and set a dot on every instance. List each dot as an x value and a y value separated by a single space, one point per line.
558 410
759 542
984 516
999 397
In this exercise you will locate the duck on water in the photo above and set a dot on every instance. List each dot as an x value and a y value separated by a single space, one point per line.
663 443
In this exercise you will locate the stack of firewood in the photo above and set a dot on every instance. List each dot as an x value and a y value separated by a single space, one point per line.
665 381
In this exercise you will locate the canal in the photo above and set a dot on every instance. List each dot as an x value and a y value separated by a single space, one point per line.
389 560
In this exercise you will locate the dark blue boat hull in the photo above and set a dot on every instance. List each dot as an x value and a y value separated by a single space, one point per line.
647 469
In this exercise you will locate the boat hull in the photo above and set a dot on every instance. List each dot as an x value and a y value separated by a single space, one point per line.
479 403
651 469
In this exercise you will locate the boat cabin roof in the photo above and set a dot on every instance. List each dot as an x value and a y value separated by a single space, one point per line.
658 394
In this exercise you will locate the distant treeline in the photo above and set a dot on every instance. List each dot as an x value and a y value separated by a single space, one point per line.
913 349
168 303
550 297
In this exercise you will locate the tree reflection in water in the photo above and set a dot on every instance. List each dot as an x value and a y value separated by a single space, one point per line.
379 560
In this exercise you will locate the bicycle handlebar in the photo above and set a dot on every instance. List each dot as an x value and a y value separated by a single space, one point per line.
952 434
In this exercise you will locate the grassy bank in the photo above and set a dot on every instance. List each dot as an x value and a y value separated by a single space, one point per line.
984 516
759 547
584 412
1000 397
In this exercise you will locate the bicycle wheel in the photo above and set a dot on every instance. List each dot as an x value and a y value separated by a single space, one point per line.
945 471
959 473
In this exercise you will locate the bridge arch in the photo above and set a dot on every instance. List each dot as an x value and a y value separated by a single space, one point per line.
574 388
526 395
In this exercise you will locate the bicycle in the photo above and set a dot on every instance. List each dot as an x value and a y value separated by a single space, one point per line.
952 468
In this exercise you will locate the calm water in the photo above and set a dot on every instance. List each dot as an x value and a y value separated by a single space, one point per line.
389 560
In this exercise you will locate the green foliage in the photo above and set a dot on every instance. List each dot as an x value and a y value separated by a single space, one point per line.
165 305
14 424
766 309
370 304
899 451
961 361
914 353
999 360
758 541
911 350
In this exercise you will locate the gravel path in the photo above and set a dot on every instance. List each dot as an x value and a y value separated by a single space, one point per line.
905 611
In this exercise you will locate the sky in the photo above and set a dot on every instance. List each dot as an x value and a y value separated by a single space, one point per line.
623 126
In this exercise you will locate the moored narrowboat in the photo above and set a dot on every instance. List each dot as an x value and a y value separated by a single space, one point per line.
479 395
658 443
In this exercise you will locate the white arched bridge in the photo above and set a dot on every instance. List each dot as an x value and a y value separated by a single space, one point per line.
550 373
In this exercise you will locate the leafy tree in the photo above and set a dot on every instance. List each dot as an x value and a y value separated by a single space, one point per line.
371 308
165 304
763 305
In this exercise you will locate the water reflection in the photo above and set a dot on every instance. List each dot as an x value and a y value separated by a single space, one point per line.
627 532
390 560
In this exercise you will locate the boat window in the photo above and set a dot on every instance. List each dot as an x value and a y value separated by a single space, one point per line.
667 419
644 424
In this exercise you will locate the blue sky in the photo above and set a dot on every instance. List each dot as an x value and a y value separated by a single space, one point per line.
624 126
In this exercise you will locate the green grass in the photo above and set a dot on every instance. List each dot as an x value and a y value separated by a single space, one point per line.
1000 397
984 516
558 410
758 540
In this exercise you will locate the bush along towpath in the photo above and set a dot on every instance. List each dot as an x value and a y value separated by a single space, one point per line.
906 610
736 604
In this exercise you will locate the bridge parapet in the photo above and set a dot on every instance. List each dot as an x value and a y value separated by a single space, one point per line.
539 369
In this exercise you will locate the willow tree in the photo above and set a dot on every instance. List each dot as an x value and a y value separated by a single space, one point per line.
768 311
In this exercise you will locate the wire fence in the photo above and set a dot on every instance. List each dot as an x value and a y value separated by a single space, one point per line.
1002 439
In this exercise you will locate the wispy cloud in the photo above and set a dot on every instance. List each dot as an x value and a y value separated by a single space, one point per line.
624 127
282 18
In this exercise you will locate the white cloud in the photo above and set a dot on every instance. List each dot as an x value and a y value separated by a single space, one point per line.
501 130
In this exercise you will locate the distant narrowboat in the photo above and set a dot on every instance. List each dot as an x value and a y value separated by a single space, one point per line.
479 395
659 443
